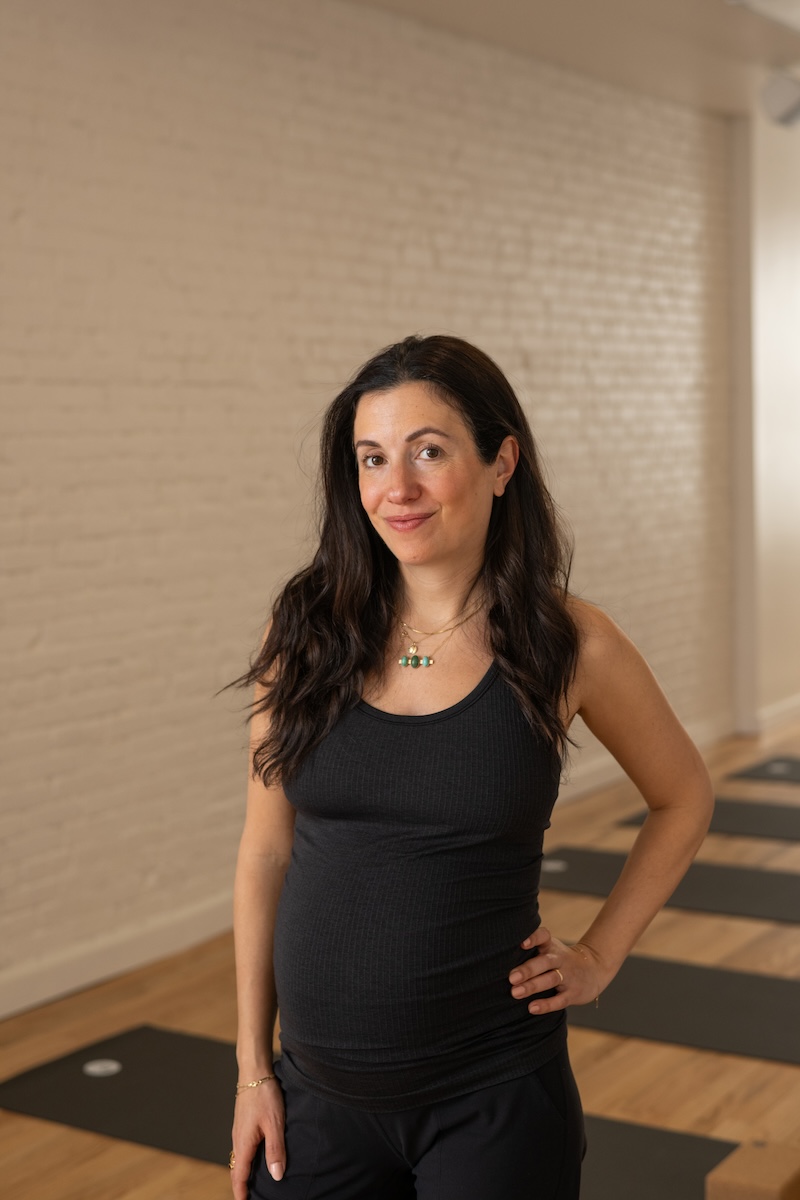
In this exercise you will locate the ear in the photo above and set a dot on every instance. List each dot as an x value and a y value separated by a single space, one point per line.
505 463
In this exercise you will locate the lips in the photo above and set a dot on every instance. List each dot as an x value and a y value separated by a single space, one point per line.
408 523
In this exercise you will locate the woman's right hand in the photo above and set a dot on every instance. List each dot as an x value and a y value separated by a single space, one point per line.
257 1117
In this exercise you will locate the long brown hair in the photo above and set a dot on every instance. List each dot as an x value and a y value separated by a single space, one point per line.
332 620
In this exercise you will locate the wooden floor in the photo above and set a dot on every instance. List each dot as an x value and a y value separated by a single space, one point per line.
675 1087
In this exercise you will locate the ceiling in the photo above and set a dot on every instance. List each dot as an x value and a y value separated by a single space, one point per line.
705 53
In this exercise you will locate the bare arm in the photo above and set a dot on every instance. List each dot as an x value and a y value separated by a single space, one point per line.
264 854
621 702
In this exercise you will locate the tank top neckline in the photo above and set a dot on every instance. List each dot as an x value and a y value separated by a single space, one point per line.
443 714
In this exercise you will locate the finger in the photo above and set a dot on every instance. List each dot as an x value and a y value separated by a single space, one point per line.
240 1175
275 1154
246 1144
527 974
539 938
547 981
551 1004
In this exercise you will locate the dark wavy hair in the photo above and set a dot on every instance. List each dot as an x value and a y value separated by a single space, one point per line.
331 622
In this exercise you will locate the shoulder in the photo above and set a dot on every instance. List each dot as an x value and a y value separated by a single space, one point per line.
623 704
607 658
600 637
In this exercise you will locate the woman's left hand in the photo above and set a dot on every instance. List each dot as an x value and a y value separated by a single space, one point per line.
576 974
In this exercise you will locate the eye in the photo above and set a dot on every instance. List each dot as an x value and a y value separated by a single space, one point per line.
372 460
431 452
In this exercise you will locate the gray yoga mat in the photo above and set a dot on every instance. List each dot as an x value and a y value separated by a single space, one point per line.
637 1162
706 887
744 818
780 769
713 1009
174 1091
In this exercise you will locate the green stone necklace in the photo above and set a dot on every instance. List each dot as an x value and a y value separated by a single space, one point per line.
412 658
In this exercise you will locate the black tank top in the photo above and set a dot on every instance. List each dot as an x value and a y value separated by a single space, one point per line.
414 878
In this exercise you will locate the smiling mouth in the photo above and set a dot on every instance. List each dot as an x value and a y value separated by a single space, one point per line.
406 524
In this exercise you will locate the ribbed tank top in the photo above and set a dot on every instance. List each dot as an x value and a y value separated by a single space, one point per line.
413 879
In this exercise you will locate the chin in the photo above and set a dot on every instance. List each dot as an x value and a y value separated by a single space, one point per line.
406 550
422 558
409 558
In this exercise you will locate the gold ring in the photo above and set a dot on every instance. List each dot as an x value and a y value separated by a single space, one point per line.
232 1160
558 973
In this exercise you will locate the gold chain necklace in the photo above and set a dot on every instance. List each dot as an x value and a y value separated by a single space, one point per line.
412 658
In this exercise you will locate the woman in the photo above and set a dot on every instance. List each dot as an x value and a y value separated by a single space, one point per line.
413 698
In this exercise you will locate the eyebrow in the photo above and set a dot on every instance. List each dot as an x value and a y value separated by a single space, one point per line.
412 437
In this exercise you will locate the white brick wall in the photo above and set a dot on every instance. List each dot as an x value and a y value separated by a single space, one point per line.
210 214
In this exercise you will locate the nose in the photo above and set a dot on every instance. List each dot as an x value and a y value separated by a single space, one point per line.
402 483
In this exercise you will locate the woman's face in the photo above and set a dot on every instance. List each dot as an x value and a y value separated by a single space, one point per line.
423 484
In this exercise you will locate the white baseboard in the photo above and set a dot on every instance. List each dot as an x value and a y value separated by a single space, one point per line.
29 984
782 711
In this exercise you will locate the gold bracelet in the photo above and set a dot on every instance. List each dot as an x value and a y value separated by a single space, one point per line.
241 1087
582 950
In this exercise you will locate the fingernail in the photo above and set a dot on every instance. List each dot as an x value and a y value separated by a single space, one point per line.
527 942
516 977
518 991
533 1008
276 1170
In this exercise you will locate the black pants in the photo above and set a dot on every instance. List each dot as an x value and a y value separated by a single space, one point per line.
522 1140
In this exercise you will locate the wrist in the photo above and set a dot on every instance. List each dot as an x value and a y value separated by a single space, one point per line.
590 955
254 1069
249 1085
254 1056
606 964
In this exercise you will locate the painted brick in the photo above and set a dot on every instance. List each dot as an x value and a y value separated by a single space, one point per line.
210 215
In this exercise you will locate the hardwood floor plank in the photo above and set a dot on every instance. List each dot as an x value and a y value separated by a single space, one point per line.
692 1091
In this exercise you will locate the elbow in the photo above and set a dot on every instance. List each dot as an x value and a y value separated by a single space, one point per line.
688 808
703 806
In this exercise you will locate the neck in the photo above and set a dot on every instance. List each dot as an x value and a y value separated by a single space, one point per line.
430 598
